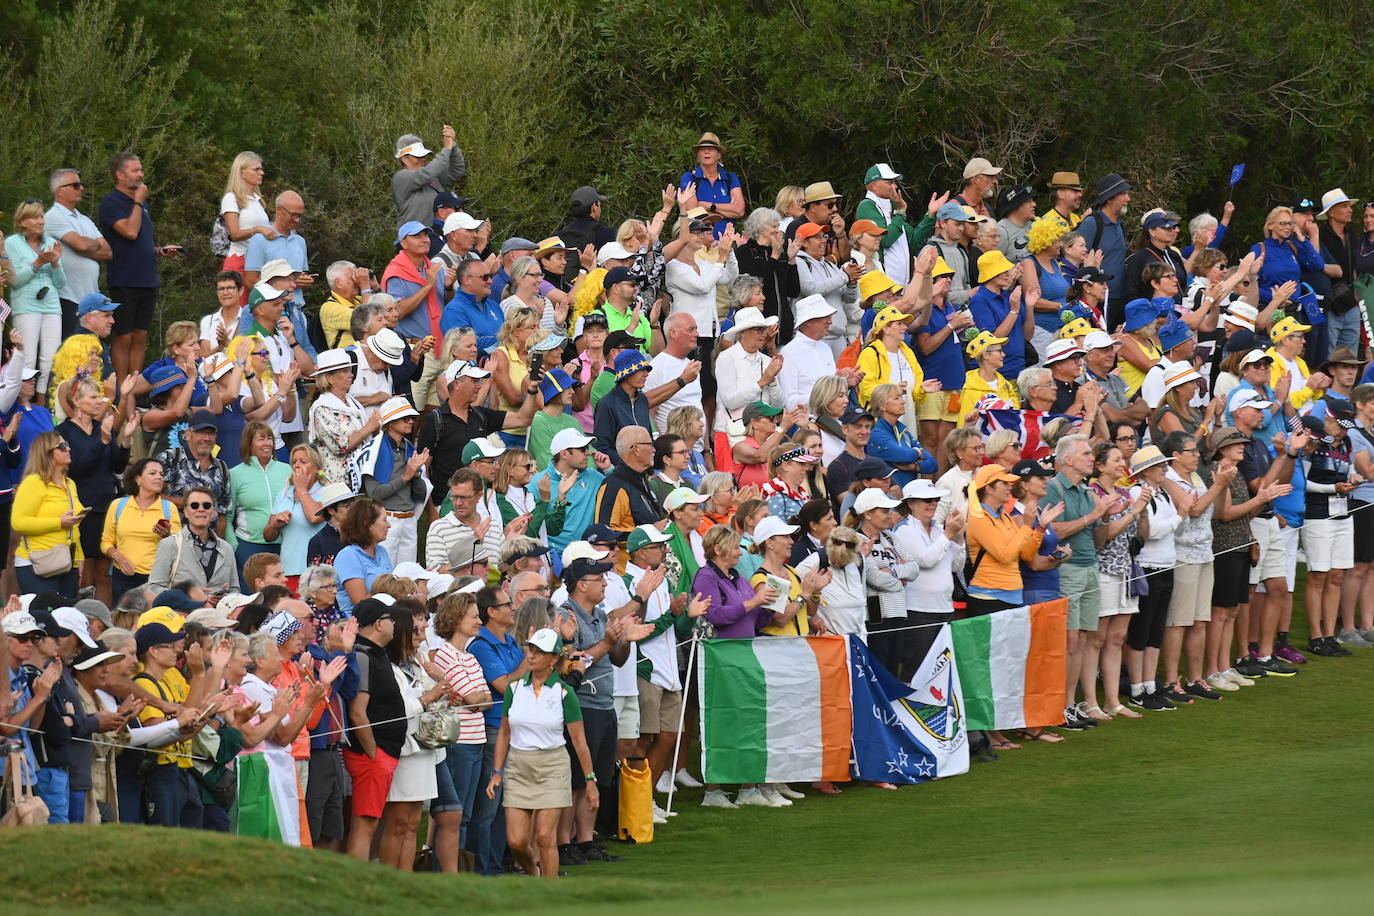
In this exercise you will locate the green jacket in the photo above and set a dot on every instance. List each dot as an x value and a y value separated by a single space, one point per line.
916 236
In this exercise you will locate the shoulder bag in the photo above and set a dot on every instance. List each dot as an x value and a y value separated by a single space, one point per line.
54 561
24 808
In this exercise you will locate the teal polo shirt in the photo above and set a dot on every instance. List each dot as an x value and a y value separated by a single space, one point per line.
1078 502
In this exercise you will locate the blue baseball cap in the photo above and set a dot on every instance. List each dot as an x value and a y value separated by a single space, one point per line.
616 275
95 302
414 227
1160 219
603 534
1173 333
555 382
1139 312
952 210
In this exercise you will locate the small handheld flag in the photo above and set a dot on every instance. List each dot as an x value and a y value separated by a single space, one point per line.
1237 171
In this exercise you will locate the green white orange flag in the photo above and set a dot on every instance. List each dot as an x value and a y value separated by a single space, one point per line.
1011 666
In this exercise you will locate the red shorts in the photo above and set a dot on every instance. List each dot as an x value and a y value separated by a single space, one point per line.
371 780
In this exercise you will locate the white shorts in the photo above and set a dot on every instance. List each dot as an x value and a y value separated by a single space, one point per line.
1272 558
1114 601
1329 543
627 718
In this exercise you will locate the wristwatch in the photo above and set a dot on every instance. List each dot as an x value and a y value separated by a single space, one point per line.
681 383
591 777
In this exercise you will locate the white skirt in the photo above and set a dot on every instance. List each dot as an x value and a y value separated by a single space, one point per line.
415 778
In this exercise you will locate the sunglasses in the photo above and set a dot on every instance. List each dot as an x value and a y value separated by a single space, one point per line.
62 447
850 544
261 353
200 505
73 184
30 637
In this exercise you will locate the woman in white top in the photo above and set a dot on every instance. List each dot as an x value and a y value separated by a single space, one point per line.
887 569
746 372
242 210
339 424
935 549
838 286
692 281
844 600
965 451
415 780
1157 557
457 624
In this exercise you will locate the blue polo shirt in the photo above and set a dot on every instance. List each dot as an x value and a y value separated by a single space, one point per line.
498 658
484 317
289 248
990 309
1113 246
947 362
133 263
711 192
354 563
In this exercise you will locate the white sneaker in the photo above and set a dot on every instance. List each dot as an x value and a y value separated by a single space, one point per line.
1235 677
1220 681
665 814
753 797
787 791
687 780
715 798
774 797
664 784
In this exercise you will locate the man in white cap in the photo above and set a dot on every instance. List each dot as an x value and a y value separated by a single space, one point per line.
1099 365
286 352
571 457
884 204
980 184
393 473
806 357
460 235
415 183
1342 307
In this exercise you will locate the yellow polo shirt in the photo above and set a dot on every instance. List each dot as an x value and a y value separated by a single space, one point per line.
131 530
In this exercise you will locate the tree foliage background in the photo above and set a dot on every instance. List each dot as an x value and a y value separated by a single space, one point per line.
549 95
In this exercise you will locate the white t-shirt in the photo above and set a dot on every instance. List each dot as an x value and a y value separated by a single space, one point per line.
83 274
368 381
663 368
250 216
211 323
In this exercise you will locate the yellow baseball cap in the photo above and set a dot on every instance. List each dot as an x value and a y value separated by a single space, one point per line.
875 282
163 615
980 344
1286 327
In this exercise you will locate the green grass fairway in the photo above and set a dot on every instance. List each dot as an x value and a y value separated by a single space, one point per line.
1259 803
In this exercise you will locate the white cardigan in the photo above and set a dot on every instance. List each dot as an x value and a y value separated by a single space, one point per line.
844 602
694 291
737 384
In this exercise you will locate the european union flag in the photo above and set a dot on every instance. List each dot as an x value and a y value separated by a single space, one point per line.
885 749
1236 172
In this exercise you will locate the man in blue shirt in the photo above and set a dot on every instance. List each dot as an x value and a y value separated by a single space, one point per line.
473 305
132 275
1102 230
288 246
503 661
711 186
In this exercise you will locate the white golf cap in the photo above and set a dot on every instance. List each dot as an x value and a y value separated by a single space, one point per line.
410 145
397 408
1099 340
582 550
612 251
465 369
809 307
922 489
72 619
772 526
460 220
412 570
872 498
569 438
1249 397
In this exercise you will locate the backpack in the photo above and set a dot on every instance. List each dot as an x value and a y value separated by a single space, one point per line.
314 328
219 237
124 501
849 357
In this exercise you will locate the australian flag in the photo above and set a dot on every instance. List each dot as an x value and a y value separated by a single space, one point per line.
899 735
1025 423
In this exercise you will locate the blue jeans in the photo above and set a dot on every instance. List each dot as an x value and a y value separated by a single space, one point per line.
1344 330
32 584
76 806
175 797
53 785
486 830
246 549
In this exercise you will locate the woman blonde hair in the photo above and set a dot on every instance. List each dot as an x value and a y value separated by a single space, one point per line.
1274 216
256 342
826 389
523 267
397 587
178 333
999 440
880 394
718 540
836 546
682 421
452 609
504 465
40 456
631 229
790 196
236 185
521 319
310 452
27 210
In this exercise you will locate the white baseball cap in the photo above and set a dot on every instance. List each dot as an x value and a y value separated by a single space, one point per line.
612 251
772 526
582 550
460 220
461 367
1099 340
72 619
1249 397
871 498
569 438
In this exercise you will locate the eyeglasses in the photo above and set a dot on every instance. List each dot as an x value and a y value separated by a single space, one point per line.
73 184
638 444
1124 439
1284 222
200 505
1188 451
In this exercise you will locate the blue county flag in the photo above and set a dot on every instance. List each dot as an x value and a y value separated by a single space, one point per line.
907 733
1236 172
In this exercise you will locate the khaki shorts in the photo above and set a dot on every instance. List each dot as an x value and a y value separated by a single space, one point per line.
1079 585
935 406
1273 561
423 390
1192 599
626 718
660 710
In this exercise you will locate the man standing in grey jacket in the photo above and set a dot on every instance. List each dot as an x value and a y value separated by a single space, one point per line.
196 554
415 183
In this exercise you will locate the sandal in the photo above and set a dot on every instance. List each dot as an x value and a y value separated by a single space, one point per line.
827 788
1005 745
1047 737
1119 710
885 785
1095 712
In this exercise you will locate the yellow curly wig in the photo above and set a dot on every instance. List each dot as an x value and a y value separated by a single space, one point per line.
1044 232
589 294
75 354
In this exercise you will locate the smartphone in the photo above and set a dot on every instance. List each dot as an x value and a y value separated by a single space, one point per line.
536 365
695 354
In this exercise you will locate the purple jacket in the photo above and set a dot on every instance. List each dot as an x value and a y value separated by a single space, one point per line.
728 594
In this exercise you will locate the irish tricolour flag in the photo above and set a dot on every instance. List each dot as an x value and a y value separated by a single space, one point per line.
775 709
1011 666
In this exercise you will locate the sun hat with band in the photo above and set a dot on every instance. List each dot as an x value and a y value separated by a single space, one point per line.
1060 350
555 382
387 346
1146 458
992 264
981 343
397 408
550 245
1179 373
332 361
748 319
1286 327
818 191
